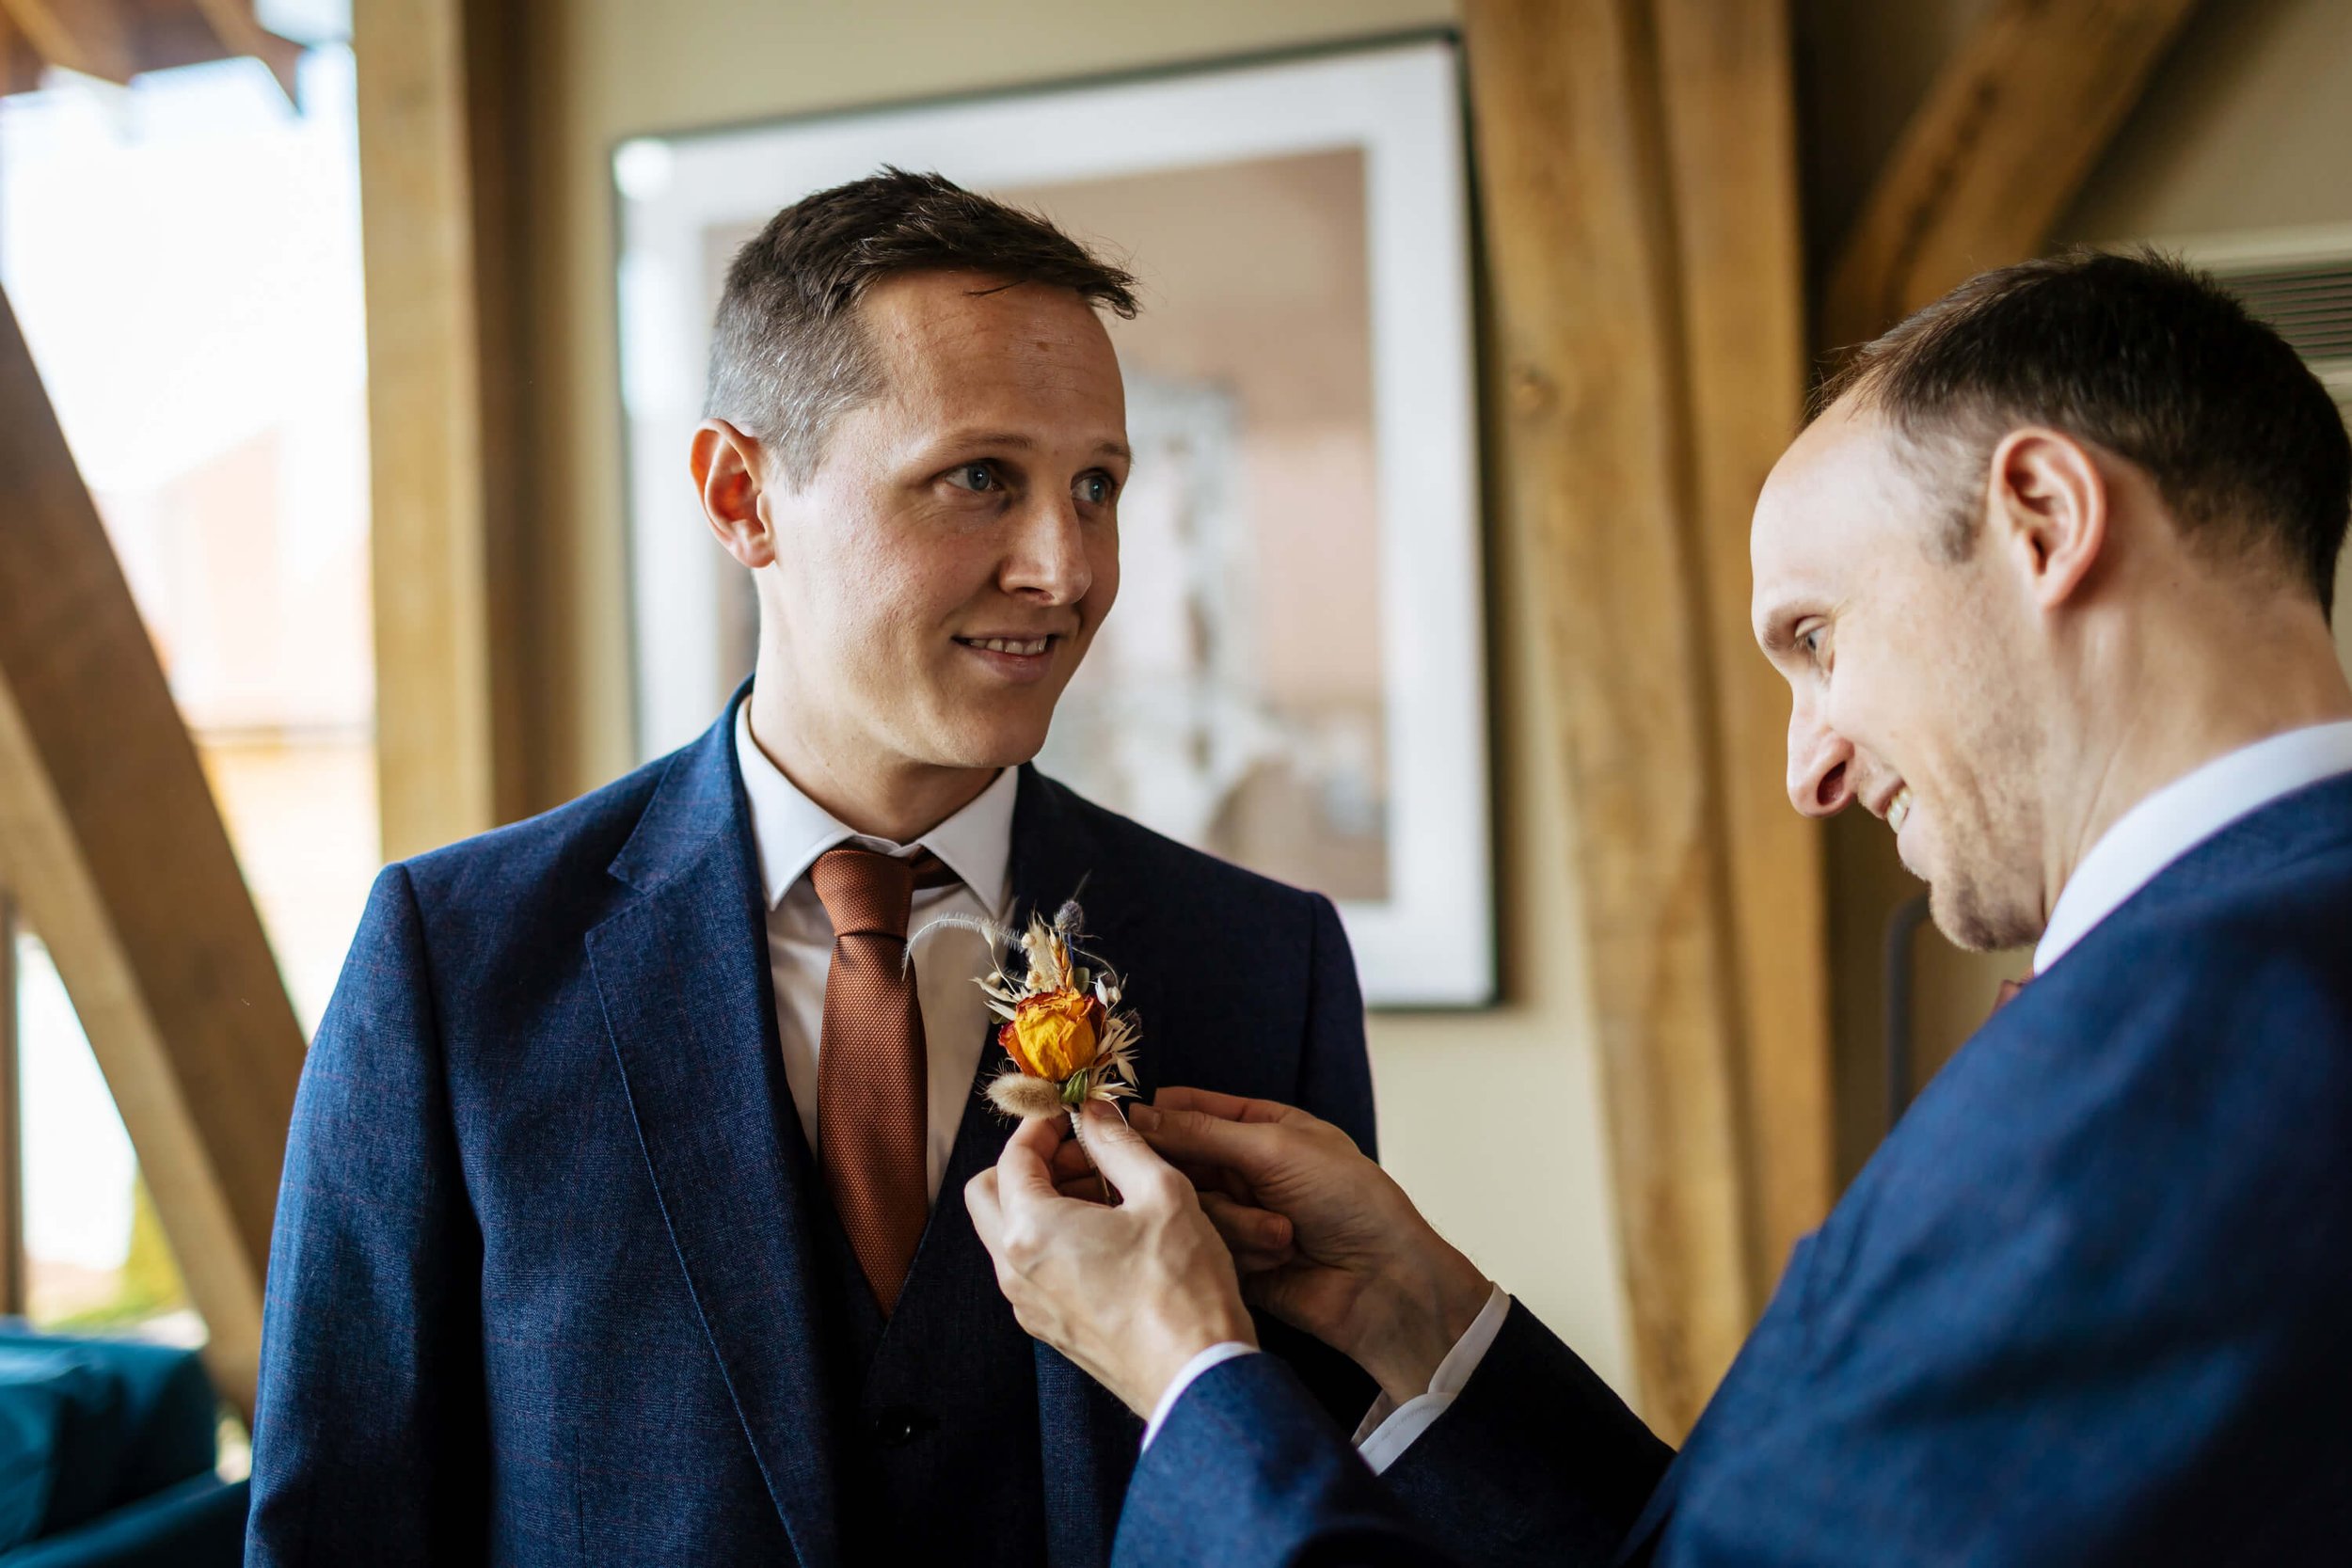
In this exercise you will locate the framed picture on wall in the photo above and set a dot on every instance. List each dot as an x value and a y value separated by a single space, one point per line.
1293 676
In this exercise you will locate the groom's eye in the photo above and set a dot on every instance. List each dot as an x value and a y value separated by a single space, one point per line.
978 477
1096 489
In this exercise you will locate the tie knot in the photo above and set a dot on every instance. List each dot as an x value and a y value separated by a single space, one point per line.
866 893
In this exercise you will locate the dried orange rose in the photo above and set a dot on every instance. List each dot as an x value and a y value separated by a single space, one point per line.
1054 1034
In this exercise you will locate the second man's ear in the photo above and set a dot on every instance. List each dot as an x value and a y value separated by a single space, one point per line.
727 468
2050 498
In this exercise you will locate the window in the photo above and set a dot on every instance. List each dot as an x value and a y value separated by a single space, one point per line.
182 255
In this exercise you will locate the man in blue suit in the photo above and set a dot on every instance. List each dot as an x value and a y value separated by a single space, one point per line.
606 1233
2050 581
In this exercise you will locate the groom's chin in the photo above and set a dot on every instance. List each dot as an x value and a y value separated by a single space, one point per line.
993 735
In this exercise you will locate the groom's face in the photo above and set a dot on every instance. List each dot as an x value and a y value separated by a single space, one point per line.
941 574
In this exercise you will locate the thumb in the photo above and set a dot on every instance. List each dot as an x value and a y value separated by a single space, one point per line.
1022 1173
1121 1155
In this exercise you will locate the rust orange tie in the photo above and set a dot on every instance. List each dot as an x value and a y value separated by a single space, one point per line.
872 1077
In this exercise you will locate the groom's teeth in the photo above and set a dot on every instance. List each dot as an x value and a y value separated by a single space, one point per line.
1899 809
1003 645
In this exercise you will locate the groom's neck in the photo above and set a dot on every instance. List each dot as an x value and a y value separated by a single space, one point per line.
866 784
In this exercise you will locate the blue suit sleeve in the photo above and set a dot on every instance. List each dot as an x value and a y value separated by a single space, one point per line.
369 1430
1537 1461
1248 1473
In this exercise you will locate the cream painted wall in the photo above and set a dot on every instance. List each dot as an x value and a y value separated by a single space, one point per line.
1491 1120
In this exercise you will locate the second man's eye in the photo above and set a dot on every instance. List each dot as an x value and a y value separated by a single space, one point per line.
1096 489
975 476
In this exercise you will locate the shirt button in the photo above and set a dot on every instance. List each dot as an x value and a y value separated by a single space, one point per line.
895 1426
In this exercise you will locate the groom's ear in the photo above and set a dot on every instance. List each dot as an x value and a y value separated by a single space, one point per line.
727 467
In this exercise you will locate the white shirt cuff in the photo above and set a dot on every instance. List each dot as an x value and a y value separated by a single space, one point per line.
1388 1429
1214 1355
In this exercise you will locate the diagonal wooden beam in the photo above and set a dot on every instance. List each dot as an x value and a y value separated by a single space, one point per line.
116 39
233 24
19 62
93 36
110 838
1996 151
1595 444
12 1260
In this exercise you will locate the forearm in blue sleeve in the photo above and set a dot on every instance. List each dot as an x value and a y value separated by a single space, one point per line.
1249 1473
1535 1461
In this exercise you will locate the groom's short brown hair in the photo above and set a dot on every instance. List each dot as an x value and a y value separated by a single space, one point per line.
787 355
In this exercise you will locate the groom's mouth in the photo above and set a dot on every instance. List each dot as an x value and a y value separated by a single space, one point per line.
1019 659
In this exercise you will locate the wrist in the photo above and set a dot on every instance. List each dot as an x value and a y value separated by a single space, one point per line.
1429 1312
1178 1345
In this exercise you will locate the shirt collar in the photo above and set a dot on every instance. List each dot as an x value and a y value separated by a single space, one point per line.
792 831
2183 815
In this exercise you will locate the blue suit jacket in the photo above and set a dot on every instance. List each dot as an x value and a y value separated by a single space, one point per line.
539 1290
2090 1304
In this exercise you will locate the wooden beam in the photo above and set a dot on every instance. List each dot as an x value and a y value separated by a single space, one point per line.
93 36
439 214
1595 446
117 40
233 24
12 1260
19 62
1996 151
110 838
1730 115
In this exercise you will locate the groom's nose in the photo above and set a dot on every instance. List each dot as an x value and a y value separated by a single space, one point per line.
1048 562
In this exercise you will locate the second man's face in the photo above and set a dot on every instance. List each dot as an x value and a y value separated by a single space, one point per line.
1913 675
941 575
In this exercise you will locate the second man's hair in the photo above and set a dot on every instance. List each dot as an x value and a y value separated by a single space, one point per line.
2144 356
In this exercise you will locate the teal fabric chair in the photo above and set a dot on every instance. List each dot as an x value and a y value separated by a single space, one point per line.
106 1456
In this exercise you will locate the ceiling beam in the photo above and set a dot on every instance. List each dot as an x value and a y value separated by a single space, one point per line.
233 24
110 840
1996 151
93 36
117 39
19 62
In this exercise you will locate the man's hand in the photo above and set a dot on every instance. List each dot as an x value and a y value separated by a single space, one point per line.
1130 1293
1362 1272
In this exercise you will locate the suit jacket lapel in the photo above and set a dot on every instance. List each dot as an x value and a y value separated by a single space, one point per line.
682 971
1090 1439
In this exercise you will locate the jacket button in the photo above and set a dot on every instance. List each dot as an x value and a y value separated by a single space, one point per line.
897 1425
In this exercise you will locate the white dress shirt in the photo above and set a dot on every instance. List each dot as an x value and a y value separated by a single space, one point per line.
791 831
2150 836
2184 813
